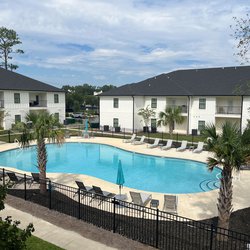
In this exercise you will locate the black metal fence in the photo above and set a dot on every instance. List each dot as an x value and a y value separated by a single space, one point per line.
147 225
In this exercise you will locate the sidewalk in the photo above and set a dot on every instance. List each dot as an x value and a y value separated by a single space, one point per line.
63 238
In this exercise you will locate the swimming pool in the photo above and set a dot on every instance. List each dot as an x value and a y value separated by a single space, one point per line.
143 172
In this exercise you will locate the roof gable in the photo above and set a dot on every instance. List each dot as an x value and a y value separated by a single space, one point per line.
192 82
13 81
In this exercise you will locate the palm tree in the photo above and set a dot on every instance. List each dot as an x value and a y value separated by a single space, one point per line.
231 150
44 125
170 116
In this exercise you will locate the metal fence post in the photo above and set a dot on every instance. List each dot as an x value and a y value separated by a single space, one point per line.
211 236
114 201
25 188
3 176
157 229
9 135
79 204
161 137
124 134
50 196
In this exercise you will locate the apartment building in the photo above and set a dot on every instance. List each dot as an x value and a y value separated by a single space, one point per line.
205 96
20 95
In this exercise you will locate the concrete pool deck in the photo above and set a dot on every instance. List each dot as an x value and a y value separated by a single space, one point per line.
196 206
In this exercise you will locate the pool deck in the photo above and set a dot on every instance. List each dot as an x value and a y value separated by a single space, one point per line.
196 206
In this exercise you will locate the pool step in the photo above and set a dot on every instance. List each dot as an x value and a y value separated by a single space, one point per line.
209 185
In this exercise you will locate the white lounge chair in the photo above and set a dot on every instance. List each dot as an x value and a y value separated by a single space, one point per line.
170 204
168 145
130 140
141 199
155 144
182 147
139 142
199 147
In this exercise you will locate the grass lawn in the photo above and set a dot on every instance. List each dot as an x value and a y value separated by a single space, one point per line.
36 243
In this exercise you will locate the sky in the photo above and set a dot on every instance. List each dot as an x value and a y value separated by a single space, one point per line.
72 42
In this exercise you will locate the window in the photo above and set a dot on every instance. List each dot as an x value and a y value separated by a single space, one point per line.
56 98
17 118
153 123
201 125
115 122
116 103
56 116
154 103
16 97
202 103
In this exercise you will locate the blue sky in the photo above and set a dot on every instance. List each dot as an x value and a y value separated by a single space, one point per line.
120 41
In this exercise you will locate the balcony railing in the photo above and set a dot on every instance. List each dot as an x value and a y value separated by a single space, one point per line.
228 110
1 103
41 103
182 107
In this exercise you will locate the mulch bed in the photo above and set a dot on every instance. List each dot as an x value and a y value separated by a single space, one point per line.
70 223
171 234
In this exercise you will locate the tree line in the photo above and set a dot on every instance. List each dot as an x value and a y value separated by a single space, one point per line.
77 97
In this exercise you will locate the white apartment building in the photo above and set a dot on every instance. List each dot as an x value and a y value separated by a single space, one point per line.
20 95
206 96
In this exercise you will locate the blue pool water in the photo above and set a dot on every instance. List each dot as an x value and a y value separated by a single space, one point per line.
144 172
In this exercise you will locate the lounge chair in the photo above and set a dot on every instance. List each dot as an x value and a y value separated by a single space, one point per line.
170 204
199 147
245 167
140 199
82 188
102 195
67 134
155 144
36 178
182 147
168 145
15 179
132 139
139 142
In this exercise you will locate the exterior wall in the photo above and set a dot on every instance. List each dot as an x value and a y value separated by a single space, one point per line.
139 103
245 112
12 109
210 115
23 108
124 112
196 114
56 107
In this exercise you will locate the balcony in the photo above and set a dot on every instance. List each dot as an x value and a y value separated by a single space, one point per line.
228 110
1 103
182 107
38 104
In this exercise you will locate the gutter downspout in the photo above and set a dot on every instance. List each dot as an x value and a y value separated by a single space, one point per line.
241 114
188 109
133 119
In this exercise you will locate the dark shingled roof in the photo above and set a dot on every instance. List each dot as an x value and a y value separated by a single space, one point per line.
191 82
12 81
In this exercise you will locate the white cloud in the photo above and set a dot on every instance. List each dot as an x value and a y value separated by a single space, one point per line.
175 34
